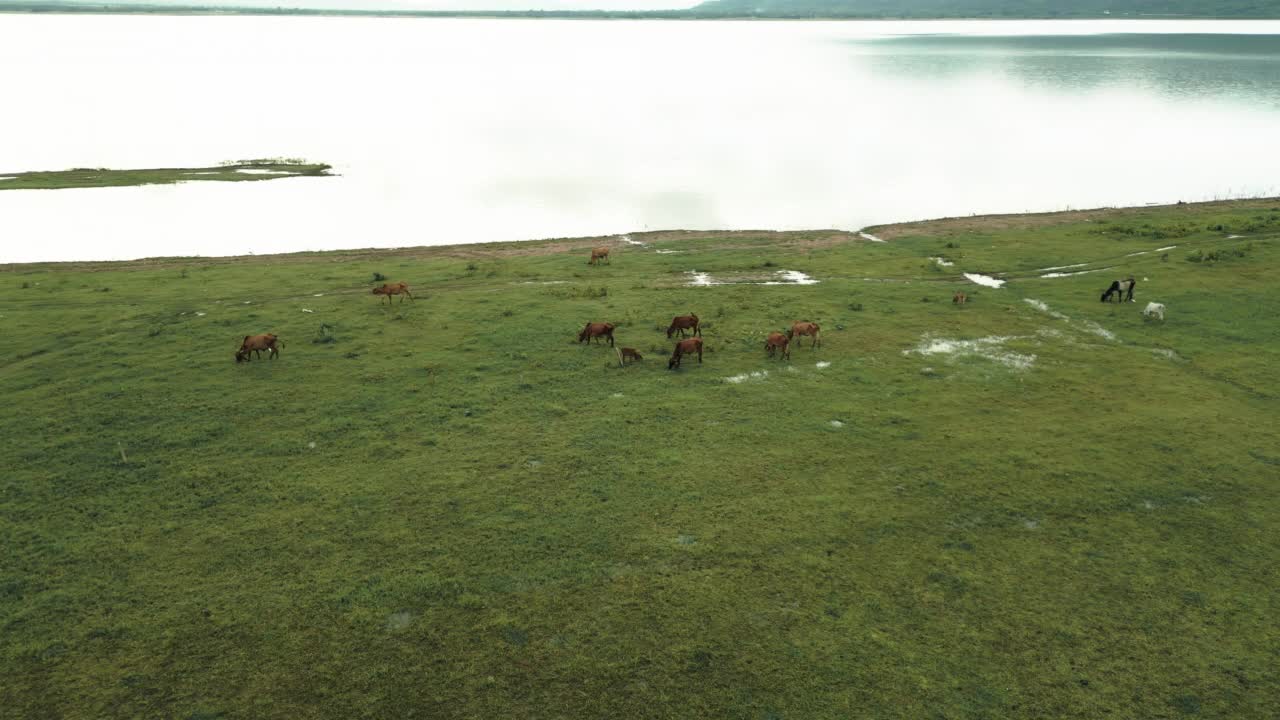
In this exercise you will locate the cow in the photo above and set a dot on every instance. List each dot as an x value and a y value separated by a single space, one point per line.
597 331
1154 310
258 343
389 289
1119 288
599 255
959 298
685 347
778 341
802 328
684 322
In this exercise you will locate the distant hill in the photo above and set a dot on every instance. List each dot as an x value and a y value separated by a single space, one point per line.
987 8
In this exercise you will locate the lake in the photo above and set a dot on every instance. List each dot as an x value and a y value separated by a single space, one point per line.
459 130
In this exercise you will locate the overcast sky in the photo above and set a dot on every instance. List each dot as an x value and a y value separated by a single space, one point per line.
426 4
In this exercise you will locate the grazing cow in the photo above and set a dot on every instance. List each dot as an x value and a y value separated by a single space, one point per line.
599 255
777 341
630 354
1154 310
1119 288
805 328
258 343
390 289
682 323
685 347
959 298
597 331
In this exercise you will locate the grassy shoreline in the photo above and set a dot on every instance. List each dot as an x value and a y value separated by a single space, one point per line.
83 178
1033 505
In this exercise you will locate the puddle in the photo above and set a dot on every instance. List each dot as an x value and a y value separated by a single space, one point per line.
260 171
1174 246
942 262
822 364
669 252
1044 308
305 310
1063 267
616 395
869 236
542 282
984 280
1167 354
200 314
787 277
10 177
627 239
203 172
792 277
990 347
1140 252
318 295
1098 330
757 375
1031 524
836 424
1078 272
399 621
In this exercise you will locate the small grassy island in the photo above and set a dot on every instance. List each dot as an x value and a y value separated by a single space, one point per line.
238 171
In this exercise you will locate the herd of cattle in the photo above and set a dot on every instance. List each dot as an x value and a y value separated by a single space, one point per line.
775 343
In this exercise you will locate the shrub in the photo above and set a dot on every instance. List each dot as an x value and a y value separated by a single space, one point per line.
379 277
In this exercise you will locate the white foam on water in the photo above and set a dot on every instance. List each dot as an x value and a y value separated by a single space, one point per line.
1062 267
942 262
984 280
990 347
869 236
757 375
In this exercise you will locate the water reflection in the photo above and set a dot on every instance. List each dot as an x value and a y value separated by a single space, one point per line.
1210 66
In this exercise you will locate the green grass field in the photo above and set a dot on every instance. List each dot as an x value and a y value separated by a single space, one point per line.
448 508
242 171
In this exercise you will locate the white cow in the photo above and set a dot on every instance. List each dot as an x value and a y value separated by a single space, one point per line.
1154 309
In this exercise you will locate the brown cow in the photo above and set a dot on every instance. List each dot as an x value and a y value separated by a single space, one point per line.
258 343
597 331
777 341
682 323
390 289
598 255
959 298
805 328
685 347
630 354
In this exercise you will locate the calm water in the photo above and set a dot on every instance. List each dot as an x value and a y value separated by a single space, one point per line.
449 131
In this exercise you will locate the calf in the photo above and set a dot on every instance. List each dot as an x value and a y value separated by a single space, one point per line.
959 298
805 328
630 354
778 341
